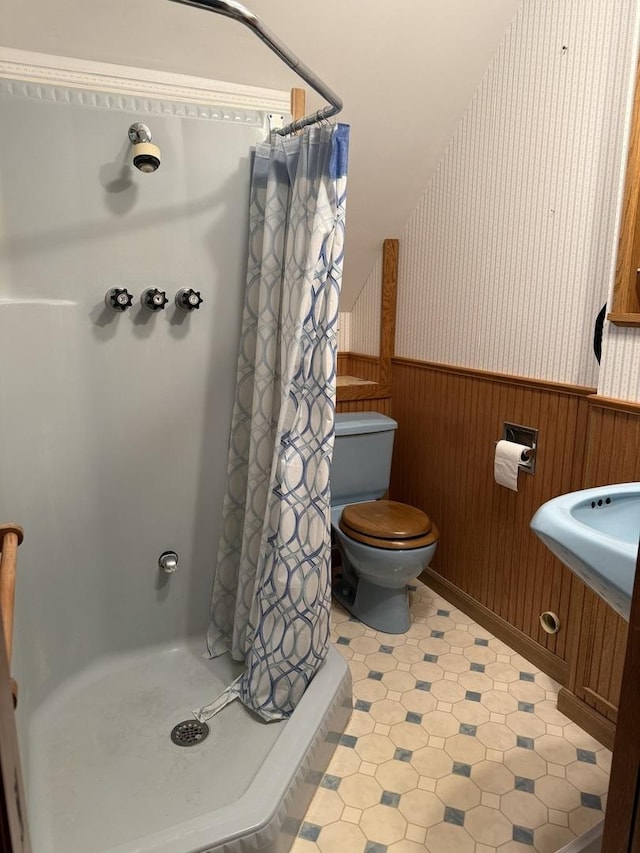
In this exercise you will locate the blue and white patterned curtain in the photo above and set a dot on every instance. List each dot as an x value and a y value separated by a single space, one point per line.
271 593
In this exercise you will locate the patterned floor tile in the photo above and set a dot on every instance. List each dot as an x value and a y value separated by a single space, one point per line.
455 745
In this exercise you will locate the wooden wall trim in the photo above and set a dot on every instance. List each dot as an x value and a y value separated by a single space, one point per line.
371 359
599 702
14 832
520 642
524 381
614 404
588 719
298 98
627 319
388 311
374 391
626 300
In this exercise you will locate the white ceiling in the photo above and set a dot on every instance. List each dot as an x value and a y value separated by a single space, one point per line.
405 70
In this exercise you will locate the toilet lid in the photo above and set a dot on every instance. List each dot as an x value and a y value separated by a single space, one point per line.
388 524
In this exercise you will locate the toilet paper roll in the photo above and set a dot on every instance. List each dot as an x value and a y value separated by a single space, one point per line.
505 465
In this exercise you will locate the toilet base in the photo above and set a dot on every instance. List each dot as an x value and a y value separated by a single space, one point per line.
382 608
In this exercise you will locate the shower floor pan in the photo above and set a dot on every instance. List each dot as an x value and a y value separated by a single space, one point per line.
105 776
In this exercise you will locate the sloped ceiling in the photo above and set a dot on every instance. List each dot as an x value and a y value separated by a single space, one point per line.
405 70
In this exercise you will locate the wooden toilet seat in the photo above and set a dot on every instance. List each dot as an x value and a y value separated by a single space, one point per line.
388 524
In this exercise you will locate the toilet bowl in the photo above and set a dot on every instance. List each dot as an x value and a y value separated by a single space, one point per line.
379 561
383 544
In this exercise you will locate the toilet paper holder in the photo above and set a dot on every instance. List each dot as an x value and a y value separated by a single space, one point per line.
523 435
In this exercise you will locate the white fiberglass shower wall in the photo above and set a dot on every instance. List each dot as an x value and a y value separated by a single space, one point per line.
113 449
114 427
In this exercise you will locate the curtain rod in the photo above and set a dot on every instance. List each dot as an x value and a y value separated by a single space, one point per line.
238 12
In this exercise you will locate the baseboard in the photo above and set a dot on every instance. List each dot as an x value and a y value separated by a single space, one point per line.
545 660
582 714
587 718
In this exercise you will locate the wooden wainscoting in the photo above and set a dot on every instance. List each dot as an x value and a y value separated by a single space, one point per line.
449 419
382 405
612 456
364 366
613 447
343 363
359 397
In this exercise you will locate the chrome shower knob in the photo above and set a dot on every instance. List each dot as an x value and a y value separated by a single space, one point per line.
154 299
188 299
168 562
118 298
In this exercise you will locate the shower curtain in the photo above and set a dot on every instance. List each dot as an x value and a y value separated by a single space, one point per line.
271 592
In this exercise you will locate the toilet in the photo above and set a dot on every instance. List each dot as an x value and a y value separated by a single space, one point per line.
383 544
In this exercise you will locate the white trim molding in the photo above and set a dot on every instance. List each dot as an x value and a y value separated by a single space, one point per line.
43 68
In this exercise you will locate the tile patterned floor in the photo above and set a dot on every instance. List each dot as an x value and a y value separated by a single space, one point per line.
455 745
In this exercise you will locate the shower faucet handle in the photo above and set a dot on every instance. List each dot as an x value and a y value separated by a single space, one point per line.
168 562
188 299
154 299
118 298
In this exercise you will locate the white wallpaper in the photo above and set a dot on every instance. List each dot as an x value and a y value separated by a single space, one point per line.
344 325
365 314
620 369
506 260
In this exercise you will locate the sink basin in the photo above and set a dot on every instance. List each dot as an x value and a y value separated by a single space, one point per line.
595 533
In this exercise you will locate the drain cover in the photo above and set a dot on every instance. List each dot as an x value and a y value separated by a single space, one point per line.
189 733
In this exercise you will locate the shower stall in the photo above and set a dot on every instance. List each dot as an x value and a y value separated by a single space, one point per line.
114 432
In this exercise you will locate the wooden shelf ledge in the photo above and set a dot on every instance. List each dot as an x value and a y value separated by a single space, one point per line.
621 319
344 381
353 388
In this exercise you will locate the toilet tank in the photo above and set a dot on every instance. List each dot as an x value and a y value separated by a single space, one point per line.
362 451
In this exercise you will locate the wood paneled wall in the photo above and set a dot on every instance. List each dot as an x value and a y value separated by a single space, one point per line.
343 363
449 420
599 642
364 367
383 406
377 399
612 456
613 446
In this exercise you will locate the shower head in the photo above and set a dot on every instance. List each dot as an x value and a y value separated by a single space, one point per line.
146 156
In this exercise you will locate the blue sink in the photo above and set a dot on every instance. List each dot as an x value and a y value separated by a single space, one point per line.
595 533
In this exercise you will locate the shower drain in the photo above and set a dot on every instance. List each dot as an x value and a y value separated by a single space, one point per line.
189 733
